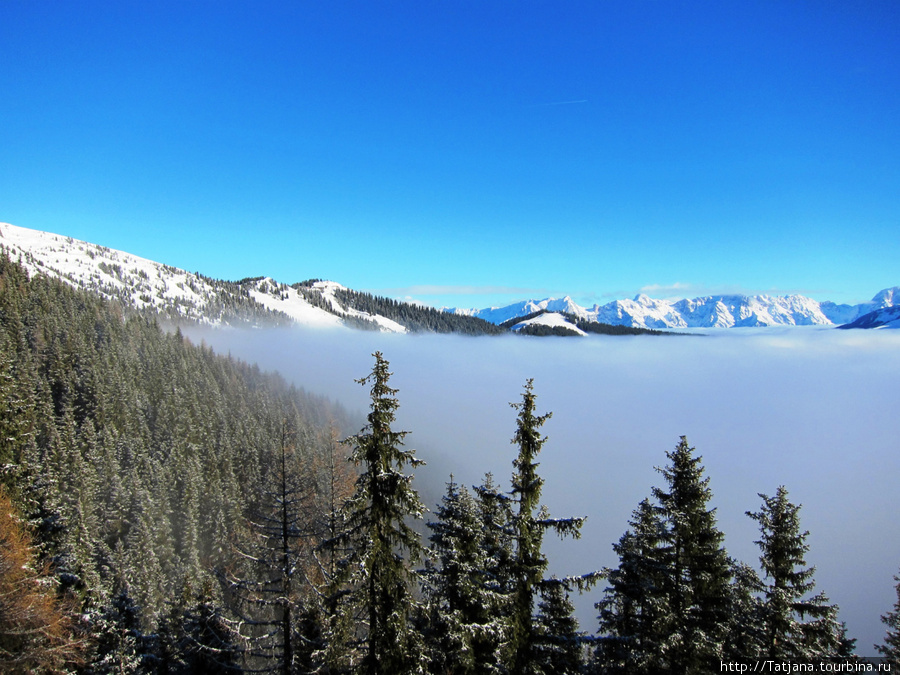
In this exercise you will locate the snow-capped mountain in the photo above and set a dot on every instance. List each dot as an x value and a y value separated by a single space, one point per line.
182 295
717 311
178 294
889 317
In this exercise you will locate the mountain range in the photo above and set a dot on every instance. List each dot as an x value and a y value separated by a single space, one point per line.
185 296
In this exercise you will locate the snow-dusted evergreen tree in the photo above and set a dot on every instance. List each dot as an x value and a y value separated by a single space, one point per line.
463 613
373 581
271 594
891 647
530 521
698 568
121 644
496 515
634 605
745 633
792 627
197 636
669 602
559 647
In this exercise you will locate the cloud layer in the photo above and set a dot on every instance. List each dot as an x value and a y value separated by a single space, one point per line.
811 409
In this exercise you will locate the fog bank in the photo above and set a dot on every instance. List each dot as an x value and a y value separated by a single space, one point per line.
812 409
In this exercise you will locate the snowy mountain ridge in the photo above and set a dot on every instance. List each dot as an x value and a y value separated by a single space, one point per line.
178 294
260 301
715 311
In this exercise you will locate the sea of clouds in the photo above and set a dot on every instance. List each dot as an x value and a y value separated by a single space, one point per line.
813 409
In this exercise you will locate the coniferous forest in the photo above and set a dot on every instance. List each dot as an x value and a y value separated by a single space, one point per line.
165 509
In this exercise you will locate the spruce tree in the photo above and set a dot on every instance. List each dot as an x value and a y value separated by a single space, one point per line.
560 644
668 605
530 521
634 606
891 647
374 581
271 590
463 612
792 627
699 573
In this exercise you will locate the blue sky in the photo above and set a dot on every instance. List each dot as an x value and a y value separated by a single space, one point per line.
466 153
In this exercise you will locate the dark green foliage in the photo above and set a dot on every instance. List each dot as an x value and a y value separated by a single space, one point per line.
668 607
416 318
559 644
891 647
374 582
610 329
698 566
791 626
582 324
542 330
269 592
135 455
634 608
529 522
464 605
198 637
122 645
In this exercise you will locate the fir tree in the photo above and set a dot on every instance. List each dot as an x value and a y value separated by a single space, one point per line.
745 625
792 627
273 584
634 606
560 644
463 609
668 606
198 637
891 647
122 646
697 583
373 581
529 523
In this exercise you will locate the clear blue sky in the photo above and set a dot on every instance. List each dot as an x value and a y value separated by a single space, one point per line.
466 153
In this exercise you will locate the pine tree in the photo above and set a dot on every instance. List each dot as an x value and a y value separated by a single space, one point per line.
529 523
374 581
786 631
891 647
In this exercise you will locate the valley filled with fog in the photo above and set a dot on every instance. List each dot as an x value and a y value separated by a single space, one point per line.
813 409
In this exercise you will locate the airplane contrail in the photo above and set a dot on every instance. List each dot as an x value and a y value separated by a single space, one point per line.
542 105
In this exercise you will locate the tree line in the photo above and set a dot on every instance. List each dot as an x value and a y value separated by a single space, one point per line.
169 510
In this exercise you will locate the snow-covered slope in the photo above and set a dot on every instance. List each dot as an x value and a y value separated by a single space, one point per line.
716 311
176 293
550 319
888 317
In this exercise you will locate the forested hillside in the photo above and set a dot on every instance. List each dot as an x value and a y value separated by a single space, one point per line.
416 318
139 460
